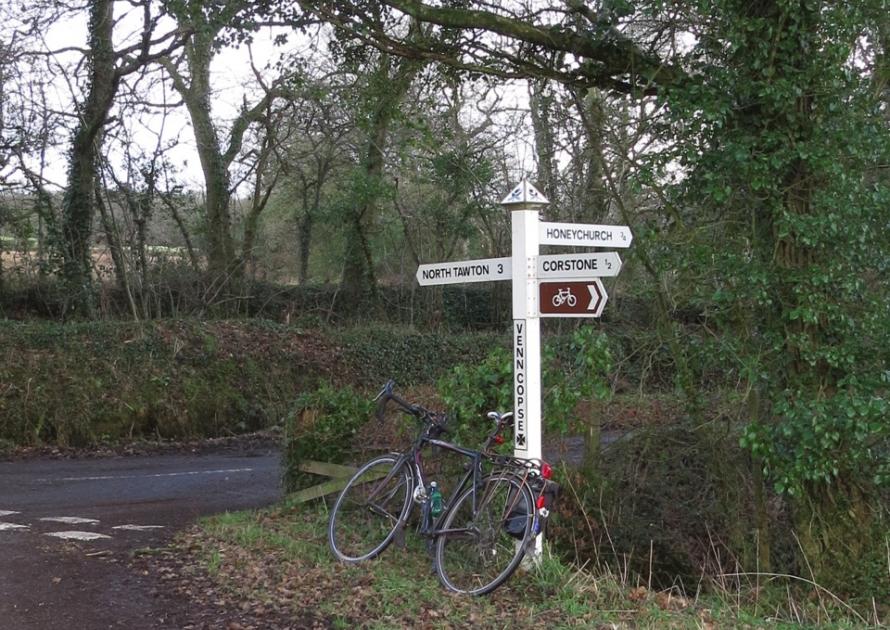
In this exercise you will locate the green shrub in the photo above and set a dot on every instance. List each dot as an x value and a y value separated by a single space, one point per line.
574 367
321 427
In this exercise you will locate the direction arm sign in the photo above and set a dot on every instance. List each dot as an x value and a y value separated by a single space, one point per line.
573 299
597 265
585 235
481 270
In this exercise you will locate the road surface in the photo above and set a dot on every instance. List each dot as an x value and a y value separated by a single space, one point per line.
69 527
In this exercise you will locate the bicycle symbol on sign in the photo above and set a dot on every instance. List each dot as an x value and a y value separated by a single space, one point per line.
564 297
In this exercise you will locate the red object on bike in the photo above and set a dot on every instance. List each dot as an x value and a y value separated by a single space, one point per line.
546 470
499 439
540 502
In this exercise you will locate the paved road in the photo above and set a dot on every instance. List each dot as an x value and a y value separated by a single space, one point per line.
52 578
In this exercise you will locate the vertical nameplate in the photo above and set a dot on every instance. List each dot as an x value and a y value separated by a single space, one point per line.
520 385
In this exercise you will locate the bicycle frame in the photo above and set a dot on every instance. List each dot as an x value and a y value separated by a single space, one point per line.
414 458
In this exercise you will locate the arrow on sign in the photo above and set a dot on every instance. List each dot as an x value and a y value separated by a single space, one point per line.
597 298
482 270
572 299
584 235
596 265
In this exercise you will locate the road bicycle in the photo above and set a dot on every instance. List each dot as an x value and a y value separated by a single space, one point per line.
478 536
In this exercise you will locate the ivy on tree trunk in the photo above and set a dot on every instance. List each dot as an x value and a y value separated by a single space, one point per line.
78 203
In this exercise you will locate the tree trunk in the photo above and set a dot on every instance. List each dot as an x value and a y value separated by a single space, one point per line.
304 243
259 199
78 202
881 77
358 284
323 168
220 246
215 158
183 230
593 203
112 239
541 104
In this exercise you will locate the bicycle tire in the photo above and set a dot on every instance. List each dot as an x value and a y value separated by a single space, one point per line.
492 543
359 531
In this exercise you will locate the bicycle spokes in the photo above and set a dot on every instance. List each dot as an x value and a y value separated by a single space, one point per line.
369 510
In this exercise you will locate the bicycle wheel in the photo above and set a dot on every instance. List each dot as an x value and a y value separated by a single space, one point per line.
478 552
370 509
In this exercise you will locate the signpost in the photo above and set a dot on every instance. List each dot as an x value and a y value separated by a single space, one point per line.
524 201
564 285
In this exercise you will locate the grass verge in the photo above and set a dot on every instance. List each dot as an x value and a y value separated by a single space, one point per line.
278 559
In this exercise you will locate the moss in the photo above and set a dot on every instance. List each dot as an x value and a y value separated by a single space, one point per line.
843 538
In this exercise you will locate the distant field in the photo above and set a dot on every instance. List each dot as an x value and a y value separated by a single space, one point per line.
24 262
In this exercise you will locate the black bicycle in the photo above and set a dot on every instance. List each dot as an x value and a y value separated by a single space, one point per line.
478 537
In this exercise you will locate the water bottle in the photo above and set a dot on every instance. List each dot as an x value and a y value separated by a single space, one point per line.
435 499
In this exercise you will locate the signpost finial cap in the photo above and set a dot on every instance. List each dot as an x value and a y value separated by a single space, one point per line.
524 197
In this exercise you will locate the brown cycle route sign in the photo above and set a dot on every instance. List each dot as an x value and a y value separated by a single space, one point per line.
572 299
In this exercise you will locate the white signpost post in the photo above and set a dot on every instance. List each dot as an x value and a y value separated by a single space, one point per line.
563 285
524 201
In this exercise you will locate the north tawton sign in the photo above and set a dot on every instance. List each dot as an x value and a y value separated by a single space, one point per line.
482 270
569 282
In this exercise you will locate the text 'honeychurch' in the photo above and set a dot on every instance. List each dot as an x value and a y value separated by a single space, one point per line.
577 234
